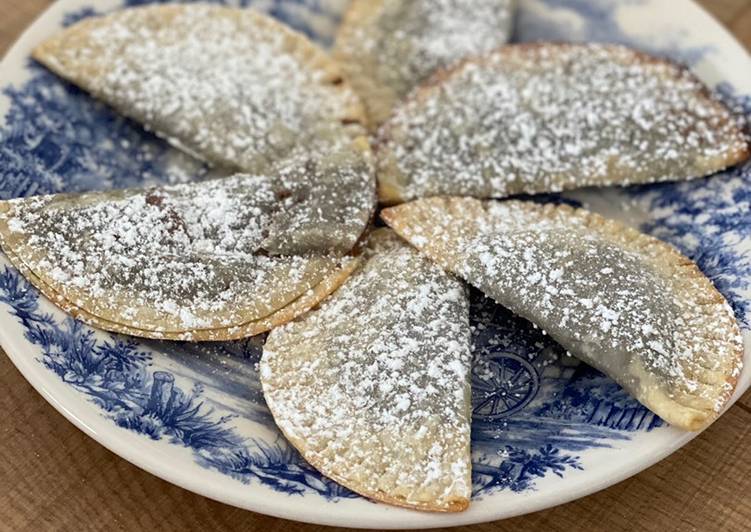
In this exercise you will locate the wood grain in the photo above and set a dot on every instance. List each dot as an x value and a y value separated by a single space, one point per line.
53 477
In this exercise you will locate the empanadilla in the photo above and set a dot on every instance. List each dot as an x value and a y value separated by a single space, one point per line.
373 387
546 117
387 47
186 261
297 307
624 302
231 86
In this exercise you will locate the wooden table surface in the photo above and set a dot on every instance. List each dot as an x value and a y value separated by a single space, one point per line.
53 477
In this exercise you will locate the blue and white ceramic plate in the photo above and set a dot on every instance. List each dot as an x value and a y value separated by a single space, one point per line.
193 414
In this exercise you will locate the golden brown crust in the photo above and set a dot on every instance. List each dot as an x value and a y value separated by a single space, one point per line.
685 276
324 339
257 309
86 73
296 299
279 317
392 192
48 52
458 505
689 279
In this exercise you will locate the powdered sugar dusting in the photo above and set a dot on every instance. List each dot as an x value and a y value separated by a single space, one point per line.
373 387
548 117
229 85
399 44
619 300
325 198
179 258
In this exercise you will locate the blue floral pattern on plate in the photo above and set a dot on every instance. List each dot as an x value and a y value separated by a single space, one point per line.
533 416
